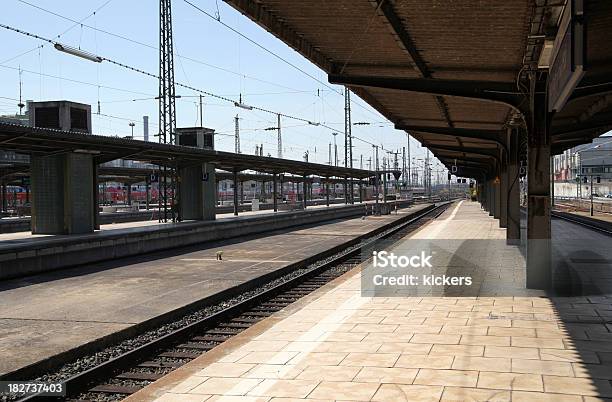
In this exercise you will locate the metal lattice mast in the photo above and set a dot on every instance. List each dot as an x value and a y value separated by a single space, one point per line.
404 171
348 139
280 140
409 160
167 107
236 135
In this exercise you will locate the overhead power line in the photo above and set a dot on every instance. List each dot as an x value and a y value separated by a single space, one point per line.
136 42
216 18
261 47
189 87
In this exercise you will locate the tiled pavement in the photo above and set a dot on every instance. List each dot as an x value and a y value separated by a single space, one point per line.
337 345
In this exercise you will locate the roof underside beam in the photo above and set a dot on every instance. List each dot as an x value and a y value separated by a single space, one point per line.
465 161
484 135
490 153
602 123
490 91
405 40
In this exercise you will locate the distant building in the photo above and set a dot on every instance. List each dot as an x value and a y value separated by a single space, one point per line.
587 159
22 119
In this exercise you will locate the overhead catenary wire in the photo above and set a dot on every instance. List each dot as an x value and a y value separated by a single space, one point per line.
143 72
273 53
216 18
136 42
76 23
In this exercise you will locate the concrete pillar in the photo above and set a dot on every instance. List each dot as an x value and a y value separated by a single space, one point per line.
539 274
235 193
280 187
62 197
274 194
513 232
198 193
327 193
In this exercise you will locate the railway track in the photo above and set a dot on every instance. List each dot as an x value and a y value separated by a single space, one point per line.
121 376
603 227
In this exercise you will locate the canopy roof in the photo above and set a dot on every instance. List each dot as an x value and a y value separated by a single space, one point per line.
451 73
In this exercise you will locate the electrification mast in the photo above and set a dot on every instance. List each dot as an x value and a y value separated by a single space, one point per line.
280 140
167 112
236 135
348 142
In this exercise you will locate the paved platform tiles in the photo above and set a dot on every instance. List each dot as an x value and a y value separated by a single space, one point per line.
46 314
336 344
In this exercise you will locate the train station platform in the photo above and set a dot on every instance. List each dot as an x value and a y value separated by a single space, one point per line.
24 254
339 344
61 312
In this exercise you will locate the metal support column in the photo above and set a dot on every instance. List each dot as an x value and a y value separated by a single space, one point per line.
503 191
384 187
274 197
235 193
327 193
346 197
96 196
513 232
490 198
539 274
304 192
497 190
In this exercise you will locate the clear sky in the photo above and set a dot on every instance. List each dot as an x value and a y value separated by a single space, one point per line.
208 56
